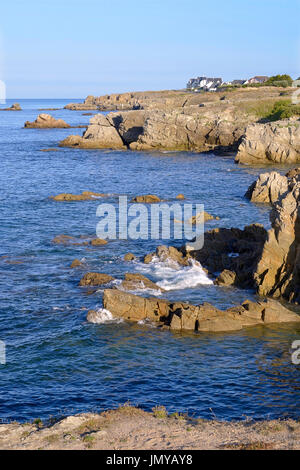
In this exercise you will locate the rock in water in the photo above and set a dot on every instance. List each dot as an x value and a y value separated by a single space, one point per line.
138 281
99 134
129 257
46 121
146 199
95 279
84 196
184 316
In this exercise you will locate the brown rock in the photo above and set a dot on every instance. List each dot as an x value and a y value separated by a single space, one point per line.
99 134
180 196
138 281
98 242
149 258
147 198
272 142
63 239
84 196
226 278
95 279
13 107
129 257
184 316
46 121
76 263
198 218
268 188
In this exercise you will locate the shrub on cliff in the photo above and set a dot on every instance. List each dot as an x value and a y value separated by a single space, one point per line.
283 109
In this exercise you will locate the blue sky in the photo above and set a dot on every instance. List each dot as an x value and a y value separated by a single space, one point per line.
71 48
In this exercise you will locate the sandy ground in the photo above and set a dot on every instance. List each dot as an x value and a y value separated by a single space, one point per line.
129 428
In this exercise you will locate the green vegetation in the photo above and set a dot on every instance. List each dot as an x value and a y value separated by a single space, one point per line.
160 412
280 81
283 109
38 422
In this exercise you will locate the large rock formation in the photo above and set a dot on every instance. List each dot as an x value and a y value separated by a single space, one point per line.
182 129
272 142
278 269
183 316
174 120
185 128
233 250
99 134
268 188
46 121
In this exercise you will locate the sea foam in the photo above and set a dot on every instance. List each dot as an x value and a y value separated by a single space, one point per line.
172 276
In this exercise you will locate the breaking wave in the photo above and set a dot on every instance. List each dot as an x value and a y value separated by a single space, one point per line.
172 276
104 316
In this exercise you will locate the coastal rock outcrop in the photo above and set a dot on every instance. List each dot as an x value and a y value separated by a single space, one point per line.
278 269
46 121
233 250
99 134
271 142
203 318
183 130
268 188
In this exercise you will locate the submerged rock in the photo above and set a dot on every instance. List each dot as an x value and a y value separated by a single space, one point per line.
98 242
202 216
183 316
76 263
46 121
84 196
146 199
95 279
129 257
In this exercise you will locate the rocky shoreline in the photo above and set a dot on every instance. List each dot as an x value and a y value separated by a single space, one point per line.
131 428
183 121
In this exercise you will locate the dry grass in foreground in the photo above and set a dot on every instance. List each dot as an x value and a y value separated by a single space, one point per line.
132 428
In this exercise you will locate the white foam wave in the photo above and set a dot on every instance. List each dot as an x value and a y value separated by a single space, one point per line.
172 276
141 288
102 315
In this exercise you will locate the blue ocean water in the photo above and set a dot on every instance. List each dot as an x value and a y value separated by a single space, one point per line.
57 363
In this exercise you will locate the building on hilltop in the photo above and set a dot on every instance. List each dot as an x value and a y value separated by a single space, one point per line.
257 79
204 83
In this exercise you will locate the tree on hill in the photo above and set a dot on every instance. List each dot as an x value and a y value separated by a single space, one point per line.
279 80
